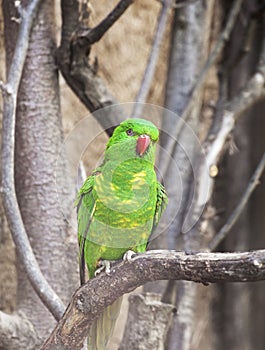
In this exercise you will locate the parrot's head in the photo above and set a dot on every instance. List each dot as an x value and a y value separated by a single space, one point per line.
138 136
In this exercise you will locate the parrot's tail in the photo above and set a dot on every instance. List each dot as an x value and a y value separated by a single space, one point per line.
102 328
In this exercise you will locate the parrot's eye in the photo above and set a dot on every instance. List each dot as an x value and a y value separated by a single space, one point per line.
130 132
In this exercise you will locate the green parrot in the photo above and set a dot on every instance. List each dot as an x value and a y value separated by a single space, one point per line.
118 207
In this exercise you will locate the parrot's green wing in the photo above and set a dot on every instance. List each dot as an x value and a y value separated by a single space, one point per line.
85 204
161 203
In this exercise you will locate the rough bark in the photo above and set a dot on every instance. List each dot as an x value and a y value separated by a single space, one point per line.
16 332
153 319
37 164
80 75
37 153
7 254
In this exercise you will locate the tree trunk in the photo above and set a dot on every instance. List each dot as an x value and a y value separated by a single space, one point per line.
39 170
148 310
190 38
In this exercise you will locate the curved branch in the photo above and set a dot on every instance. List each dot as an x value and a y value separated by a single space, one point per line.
90 300
10 91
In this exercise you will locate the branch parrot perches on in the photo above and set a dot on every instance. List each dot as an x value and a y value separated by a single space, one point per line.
118 206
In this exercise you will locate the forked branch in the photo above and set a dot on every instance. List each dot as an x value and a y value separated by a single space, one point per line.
73 60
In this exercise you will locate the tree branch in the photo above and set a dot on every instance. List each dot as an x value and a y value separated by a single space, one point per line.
153 58
254 181
72 60
214 55
93 35
90 300
10 91
214 144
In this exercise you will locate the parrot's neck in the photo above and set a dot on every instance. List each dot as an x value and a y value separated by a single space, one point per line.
126 153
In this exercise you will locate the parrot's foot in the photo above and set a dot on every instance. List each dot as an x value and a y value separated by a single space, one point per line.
128 255
104 266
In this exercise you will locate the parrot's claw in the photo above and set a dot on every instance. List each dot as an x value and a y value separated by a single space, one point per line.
128 255
104 266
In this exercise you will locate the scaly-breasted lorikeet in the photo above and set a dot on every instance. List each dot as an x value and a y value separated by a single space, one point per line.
118 206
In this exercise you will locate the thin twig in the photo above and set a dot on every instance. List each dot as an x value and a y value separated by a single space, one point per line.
10 92
153 265
200 80
254 181
153 58
95 34
73 62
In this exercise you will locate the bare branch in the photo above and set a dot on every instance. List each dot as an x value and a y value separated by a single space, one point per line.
90 300
219 46
214 144
91 36
10 91
153 58
254 181
72 60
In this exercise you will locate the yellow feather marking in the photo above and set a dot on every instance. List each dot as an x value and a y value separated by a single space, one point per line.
141 174
114 187
103 249
144 235
139 177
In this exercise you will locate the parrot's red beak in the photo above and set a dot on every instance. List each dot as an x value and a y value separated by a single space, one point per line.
143 142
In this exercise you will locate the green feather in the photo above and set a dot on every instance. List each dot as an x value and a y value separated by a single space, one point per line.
119 205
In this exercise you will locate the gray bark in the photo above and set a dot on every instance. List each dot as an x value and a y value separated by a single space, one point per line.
153 319
80 75
16 332
39 170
